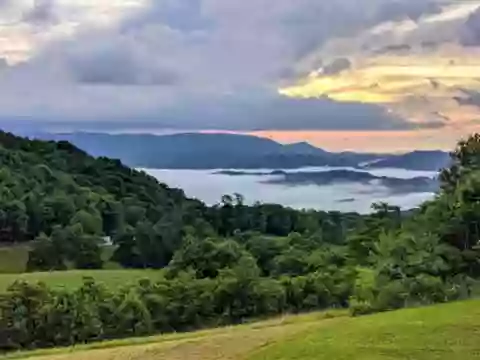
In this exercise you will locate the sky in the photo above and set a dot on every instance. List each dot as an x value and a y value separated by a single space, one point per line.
363 75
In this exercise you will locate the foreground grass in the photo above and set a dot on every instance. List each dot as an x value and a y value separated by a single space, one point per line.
222 343
73 279
444 332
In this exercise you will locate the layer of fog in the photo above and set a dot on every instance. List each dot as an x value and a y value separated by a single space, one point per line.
209 187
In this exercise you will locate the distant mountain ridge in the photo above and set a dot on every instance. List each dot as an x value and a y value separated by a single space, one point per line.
304 148
322 178
416 160
233 151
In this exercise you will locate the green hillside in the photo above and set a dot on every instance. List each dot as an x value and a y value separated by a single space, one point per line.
445 332
172 264
69 202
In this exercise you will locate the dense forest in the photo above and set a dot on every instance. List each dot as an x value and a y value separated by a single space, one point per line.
222 264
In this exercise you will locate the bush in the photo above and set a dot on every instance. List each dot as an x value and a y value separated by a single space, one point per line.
34 316
385 294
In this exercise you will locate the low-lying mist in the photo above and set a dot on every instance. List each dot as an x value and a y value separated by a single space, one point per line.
209 186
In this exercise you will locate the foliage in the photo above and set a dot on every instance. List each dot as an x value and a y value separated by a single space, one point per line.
35 316
223 264
48 189
206 258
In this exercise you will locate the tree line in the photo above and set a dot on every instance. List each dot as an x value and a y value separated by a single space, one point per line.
222 264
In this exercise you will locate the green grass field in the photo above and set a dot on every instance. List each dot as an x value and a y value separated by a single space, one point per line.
444 332
14 258
74 278
13 264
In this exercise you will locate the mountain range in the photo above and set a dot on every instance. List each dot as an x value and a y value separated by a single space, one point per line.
393 185
233 151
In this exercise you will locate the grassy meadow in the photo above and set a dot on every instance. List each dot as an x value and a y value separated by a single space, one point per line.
14 258
13 265
74 278
442 332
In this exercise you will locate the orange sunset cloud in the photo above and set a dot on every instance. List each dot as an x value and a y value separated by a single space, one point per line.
436 87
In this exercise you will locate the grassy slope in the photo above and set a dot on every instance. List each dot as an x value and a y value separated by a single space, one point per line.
445 332
14 258
13 261
219 344
74 278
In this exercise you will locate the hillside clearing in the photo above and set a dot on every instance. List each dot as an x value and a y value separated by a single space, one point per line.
441 332
444 332
14 258
73 279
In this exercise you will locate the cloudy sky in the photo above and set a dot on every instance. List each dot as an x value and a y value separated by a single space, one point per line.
370 75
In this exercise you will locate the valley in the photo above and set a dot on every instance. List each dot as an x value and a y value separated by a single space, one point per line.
310 188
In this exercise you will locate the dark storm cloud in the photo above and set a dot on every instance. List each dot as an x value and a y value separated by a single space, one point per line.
42 13
185 64
470 35
393 49
262 111
470 98
311 23
224 42
337 66
401 9
182 15
112 65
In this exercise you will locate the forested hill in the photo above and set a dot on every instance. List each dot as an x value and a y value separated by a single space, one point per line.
53 187
68 203
55 161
